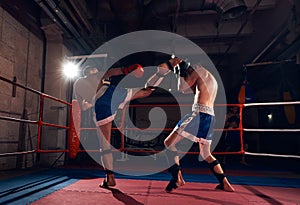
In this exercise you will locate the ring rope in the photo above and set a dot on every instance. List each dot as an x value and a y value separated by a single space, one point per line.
272 155
271 130
272 103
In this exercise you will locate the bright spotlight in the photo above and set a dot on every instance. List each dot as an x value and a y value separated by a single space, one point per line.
70 70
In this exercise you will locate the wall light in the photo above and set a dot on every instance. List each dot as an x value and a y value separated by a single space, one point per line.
70 69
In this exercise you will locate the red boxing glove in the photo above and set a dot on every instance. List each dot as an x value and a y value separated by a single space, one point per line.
131 68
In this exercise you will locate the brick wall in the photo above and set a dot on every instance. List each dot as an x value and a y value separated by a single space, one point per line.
20 57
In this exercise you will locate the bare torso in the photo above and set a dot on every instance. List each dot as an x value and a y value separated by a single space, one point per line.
203 84
198 81
206 87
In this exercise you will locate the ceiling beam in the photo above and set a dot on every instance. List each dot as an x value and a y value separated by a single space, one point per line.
205 27
267 25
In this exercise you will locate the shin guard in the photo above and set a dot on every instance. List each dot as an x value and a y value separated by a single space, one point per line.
174 169
219 177
107 171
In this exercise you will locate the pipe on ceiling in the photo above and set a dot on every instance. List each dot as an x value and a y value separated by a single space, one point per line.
61 21
134 12
84 20
227 9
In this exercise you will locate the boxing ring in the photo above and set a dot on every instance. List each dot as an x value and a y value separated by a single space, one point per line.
77 185
123 129
39 121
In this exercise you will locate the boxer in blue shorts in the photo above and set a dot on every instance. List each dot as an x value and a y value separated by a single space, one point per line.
106 106
196 126
108 99
197 123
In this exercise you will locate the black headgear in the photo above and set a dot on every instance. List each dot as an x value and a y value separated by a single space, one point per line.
183 68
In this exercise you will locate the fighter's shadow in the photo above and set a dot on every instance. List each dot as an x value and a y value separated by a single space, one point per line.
126 199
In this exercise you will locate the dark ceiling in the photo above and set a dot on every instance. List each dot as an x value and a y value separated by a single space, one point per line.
268 30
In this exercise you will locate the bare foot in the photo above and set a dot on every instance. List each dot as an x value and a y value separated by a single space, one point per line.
227 186
175 184
108 181
180 181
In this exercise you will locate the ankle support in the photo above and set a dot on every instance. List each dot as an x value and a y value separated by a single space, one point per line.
107 171
219 177
174 169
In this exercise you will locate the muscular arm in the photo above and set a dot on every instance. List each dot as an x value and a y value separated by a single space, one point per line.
79 100
157 78
79 89
162 70
136 69
113 72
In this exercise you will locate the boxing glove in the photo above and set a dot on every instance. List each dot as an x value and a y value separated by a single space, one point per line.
183 68
129 69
